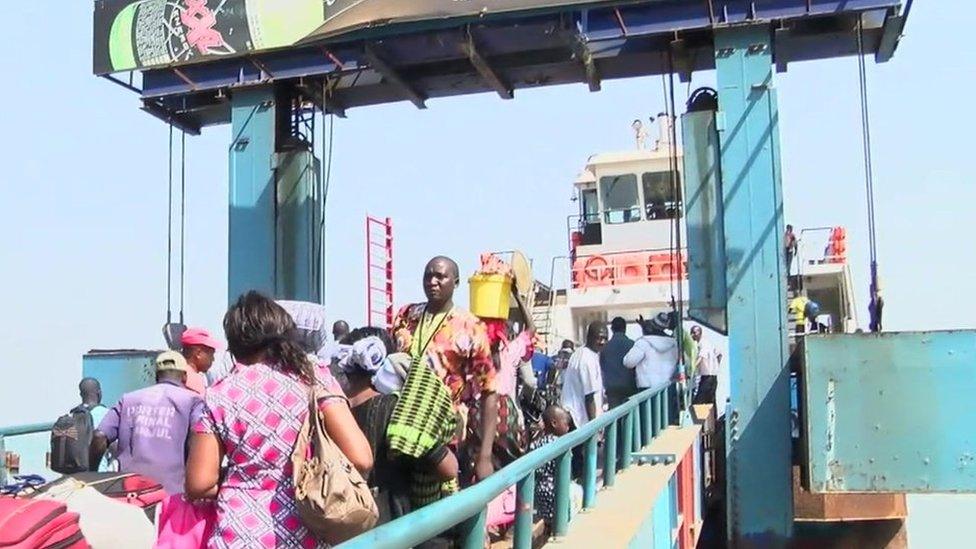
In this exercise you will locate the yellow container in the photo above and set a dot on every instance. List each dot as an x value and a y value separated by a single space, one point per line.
490 295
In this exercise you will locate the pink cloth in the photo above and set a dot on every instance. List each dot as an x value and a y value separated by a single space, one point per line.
185 525
199 336
509 358
257 412
501 510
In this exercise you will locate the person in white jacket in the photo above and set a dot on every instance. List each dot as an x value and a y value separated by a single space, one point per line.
655 355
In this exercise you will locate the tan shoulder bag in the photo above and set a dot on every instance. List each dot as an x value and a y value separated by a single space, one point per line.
332 498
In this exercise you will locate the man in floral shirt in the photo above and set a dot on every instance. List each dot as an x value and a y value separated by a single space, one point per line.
454 344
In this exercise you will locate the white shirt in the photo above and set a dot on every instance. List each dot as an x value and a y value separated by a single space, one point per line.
583 377
708 359
328 352
655 357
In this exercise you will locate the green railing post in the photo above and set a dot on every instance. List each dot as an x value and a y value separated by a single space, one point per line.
563 481
610 454
628 438
589 474
636 445
655 416
647 421
464 515
3 462
662 411
525 505
667 407
473 531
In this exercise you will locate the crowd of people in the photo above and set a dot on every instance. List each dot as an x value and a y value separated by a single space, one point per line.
438 402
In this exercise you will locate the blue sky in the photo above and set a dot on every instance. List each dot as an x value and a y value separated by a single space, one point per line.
83 189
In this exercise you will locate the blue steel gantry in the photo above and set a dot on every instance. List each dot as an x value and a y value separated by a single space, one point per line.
739 278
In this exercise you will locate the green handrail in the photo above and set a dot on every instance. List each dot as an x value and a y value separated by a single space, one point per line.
468 506
14 431
29 429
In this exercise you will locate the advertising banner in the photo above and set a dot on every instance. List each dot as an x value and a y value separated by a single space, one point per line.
138 34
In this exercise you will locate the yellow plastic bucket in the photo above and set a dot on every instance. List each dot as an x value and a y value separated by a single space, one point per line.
490 295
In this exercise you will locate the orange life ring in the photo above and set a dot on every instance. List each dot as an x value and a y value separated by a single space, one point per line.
597 268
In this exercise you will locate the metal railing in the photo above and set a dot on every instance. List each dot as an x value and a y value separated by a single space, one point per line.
14 431
637 422
628 267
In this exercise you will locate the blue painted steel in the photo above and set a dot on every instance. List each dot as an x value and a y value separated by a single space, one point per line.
298 216
32 447
433 519
658 415
30 442
628 440
610 455
760 503
524 511
647 418
648 19
704 212
644 536
28 429
252 250
589 474
636 443
564 481
617 35
891 412
473 531
119 372
666 407
663 514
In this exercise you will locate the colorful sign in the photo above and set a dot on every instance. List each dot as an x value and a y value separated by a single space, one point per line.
138 34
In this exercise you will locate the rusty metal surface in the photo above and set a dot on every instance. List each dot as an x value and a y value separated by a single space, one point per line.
890 412
845 507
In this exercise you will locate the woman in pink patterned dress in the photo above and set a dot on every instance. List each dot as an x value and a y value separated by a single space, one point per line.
254 416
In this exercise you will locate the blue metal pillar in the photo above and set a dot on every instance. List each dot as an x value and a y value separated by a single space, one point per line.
274 218
252 249
758 458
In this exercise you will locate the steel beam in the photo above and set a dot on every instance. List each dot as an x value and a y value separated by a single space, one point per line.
760 503
392 76
585 56
489 74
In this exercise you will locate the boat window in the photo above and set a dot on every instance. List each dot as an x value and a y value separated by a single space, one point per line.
591 208
620 201
659 199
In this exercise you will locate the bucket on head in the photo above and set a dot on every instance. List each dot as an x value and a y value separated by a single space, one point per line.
490 295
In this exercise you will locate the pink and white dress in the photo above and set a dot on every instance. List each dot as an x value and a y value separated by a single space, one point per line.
257 412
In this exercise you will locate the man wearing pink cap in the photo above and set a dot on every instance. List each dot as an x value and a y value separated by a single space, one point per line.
198 349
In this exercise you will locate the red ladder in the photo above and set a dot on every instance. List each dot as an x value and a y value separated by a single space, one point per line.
379 272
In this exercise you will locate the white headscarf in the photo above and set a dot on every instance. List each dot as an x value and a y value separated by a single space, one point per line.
366 355
310 320
392 374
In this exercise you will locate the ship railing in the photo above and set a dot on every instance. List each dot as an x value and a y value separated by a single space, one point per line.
11 433
638 422
819 245
628 267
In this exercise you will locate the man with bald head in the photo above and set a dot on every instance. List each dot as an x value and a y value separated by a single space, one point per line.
454 344
340 329
329 352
